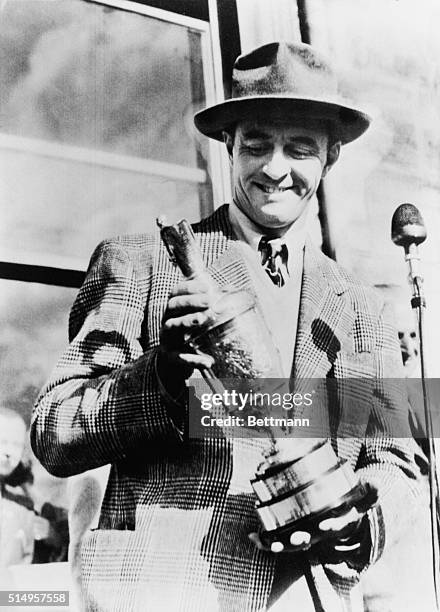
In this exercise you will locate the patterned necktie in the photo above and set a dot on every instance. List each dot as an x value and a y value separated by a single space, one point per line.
274 259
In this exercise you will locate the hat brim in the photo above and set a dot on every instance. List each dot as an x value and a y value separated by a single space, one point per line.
349 122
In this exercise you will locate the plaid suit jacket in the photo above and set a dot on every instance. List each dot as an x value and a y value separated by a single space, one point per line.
176 513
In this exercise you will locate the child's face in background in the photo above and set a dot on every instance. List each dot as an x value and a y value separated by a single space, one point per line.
12 442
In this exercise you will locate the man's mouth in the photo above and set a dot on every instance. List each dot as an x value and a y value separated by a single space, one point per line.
272 188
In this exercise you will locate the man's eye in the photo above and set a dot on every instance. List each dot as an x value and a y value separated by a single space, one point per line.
301 153
255 149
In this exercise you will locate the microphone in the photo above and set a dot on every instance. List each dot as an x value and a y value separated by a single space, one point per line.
408 230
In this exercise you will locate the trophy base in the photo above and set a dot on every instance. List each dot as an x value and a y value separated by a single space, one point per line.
362 496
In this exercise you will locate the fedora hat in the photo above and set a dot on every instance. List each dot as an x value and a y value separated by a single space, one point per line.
291 78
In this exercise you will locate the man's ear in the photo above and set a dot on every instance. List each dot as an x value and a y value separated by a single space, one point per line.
229 142
332 157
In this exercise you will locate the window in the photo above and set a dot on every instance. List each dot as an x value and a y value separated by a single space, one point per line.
96 133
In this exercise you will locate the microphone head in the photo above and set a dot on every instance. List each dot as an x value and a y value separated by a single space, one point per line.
407 226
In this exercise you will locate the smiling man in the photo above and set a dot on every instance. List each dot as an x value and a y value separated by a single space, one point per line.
178 529
277 167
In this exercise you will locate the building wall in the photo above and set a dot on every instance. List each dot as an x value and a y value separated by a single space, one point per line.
388 53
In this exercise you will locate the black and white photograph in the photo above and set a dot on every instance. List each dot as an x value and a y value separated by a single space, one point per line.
219 289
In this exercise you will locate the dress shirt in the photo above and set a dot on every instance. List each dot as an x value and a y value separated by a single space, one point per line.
280 305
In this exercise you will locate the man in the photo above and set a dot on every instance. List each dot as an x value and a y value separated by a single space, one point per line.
178 529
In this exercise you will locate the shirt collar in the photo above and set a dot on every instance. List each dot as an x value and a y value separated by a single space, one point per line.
246 230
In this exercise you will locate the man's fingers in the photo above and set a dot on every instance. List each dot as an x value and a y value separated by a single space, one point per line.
187 322
275 547
197 360
189 360
182 304
173 335
188 287
255 539
341 525
300 539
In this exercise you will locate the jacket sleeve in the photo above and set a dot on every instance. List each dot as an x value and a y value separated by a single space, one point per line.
102 401
389 459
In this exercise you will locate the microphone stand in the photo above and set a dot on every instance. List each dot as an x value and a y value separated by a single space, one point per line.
418 304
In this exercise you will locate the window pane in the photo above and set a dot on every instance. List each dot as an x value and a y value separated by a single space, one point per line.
64 208
94 76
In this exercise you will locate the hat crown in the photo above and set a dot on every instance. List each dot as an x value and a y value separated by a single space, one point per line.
290 78
283 69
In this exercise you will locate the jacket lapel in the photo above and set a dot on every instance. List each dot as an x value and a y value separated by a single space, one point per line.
325 318
326 321
225 255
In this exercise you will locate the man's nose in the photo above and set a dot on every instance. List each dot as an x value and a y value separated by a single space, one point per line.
277 167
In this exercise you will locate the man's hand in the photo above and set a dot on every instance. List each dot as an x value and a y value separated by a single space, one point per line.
299 540
189 309
340 535
41 527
